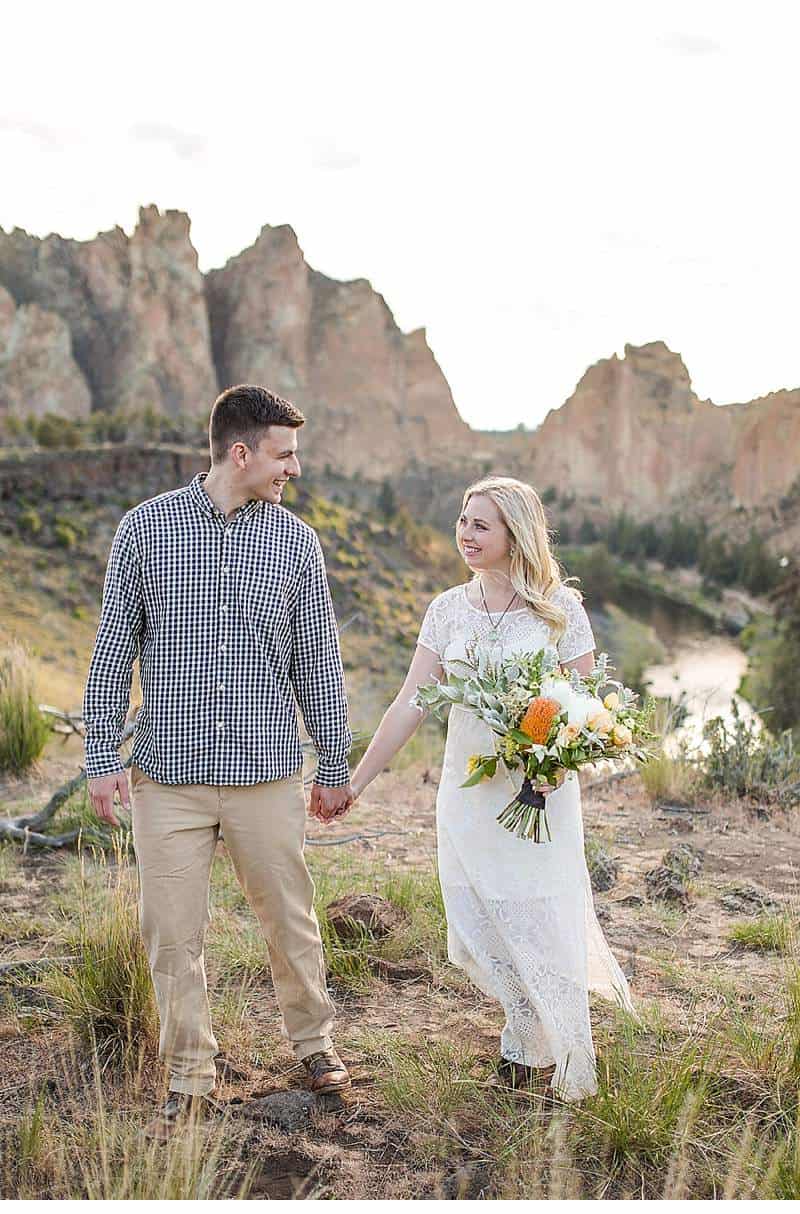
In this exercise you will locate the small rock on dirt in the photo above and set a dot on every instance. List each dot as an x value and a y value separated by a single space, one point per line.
398 971
603 869
684 859
378 916
666 885
742 899
630 900
286 1110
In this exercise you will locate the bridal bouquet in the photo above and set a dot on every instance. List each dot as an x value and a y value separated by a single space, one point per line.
546 722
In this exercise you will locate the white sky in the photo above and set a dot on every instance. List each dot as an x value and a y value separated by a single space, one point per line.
536 183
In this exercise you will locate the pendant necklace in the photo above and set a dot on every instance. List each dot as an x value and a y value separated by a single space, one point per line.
494 634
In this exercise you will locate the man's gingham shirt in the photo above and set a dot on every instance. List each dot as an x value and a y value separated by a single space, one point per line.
228 617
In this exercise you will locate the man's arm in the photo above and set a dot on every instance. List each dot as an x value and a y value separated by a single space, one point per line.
106 697
316 673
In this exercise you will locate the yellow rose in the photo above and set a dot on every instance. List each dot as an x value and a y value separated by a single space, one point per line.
611 701
621 735
600 721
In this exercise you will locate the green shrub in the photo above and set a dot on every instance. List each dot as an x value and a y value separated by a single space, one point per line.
54 431
30 521
745 759
66 536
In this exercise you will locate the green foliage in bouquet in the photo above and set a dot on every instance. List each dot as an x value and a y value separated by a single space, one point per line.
546 721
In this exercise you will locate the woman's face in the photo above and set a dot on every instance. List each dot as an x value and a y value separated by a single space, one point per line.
481 535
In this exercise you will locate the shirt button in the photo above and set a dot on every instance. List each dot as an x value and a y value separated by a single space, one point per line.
220 724
220 687
224 607
222 647
224 568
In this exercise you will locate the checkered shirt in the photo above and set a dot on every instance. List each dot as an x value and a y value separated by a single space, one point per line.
231 619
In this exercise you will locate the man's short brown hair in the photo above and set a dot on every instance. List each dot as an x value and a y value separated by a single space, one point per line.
243 413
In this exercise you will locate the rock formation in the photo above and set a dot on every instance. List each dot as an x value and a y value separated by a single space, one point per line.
135 308
132 322
377 396
37 371
635 435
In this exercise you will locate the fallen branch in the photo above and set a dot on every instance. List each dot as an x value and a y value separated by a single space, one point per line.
377 834
36 963
22 834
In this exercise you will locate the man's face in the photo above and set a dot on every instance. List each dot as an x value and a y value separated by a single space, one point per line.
273 463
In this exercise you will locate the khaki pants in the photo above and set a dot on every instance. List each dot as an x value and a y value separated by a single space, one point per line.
175 829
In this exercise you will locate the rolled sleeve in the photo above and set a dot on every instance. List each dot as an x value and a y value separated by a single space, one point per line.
316 672
107 692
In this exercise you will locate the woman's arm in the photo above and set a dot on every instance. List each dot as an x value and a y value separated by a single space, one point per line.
399 721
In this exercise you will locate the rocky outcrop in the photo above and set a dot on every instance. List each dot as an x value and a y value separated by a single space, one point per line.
634 435
133 321
37 371
766 450
376 396
633 432
135 308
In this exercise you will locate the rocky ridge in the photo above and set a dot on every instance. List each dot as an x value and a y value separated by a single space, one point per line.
130 323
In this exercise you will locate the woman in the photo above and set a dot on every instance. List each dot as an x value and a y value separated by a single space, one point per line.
520 915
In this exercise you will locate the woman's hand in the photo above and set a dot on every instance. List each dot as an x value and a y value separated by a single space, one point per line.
558 779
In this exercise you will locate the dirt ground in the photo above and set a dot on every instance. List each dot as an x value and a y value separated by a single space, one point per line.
362 1148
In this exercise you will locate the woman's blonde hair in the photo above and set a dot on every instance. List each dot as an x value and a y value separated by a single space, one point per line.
534 571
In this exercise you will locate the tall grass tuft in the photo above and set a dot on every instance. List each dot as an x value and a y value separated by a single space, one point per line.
108 996
24 730
82 1150
767 933
641 1104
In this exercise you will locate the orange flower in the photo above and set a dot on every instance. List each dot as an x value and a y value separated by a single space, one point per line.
539 717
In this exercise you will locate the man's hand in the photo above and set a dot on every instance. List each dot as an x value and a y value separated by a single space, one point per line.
329 803
101 795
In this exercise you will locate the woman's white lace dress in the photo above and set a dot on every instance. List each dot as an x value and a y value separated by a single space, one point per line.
520 915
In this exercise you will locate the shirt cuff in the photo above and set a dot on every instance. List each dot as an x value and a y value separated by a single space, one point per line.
102 765
332 773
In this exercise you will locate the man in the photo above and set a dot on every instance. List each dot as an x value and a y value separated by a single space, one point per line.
222 594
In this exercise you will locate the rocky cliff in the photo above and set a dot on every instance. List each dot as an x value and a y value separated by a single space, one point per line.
121 323
134 307
38 373
376 396
635 435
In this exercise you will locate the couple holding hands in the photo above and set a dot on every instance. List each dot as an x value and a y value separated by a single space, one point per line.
222 595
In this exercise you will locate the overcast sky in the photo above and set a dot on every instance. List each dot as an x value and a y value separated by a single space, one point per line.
535 183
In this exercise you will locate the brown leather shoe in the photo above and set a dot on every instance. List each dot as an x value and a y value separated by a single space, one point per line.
326 1072
177 1110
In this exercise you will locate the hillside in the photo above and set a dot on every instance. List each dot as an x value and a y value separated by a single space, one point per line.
54 548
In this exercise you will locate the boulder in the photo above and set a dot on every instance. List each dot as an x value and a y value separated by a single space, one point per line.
353 912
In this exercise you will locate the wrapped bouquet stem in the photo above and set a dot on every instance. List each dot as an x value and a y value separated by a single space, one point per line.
545 721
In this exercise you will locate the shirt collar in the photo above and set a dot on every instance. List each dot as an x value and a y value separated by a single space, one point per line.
201 499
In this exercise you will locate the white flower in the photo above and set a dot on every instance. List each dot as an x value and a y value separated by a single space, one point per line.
579 706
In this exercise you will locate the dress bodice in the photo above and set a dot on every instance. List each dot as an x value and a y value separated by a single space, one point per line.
451 622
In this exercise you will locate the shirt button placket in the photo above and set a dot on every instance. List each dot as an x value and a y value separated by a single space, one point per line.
224 570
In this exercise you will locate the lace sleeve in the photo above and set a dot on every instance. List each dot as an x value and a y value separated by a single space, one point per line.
578 637
430 631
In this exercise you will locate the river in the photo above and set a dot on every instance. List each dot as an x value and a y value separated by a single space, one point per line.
704 664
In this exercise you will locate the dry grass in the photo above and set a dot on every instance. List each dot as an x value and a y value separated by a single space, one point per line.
24 730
